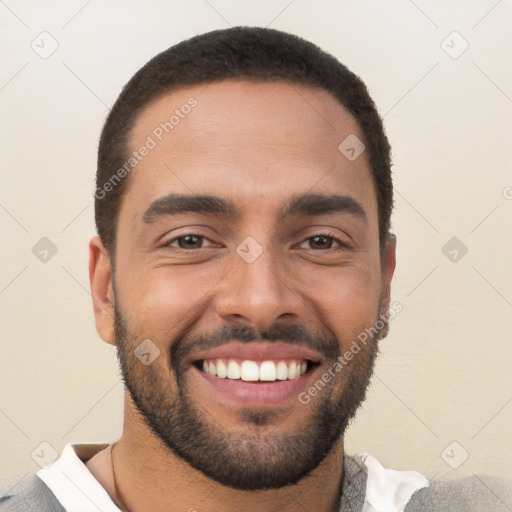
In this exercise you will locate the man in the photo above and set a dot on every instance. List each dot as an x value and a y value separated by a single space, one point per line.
243 270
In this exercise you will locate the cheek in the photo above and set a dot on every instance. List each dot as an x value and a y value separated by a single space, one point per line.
347 301
162 302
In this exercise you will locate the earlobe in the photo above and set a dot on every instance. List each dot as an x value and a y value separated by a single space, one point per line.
100 278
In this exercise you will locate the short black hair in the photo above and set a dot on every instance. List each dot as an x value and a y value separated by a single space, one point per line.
240 53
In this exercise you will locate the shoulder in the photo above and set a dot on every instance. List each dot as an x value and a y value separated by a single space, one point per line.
31 494
473 493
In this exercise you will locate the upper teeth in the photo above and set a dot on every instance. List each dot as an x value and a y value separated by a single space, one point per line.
253 371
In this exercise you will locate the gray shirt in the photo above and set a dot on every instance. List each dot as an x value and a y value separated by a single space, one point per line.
474 493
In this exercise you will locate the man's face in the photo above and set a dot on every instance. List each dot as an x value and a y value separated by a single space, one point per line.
261 277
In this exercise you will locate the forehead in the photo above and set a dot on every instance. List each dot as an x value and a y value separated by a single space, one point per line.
259 142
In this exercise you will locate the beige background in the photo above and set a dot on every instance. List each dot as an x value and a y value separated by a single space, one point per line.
445 371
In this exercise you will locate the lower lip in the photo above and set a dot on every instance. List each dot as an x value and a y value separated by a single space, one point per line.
258 393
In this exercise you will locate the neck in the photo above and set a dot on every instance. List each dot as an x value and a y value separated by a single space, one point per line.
150 476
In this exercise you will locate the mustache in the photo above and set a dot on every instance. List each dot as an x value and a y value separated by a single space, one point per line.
297 335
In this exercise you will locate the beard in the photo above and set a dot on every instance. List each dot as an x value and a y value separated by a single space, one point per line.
258 456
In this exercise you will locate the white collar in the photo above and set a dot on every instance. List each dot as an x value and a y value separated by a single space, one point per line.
74 485
388 490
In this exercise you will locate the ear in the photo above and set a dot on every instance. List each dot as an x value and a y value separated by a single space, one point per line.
388 264
100 278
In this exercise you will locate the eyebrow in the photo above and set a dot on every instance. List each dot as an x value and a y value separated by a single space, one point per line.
304 204
321 204
174 204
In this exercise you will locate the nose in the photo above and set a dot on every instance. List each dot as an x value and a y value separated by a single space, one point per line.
258 293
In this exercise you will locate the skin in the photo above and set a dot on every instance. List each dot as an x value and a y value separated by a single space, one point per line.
257 145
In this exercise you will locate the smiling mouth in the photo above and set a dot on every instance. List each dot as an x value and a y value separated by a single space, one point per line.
256 371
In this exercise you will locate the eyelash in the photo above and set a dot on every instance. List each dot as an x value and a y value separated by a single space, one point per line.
333 237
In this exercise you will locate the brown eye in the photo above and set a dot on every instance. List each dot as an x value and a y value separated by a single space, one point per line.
190 242
323 242
320 242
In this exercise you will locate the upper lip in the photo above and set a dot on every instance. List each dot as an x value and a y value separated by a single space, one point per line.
257 351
